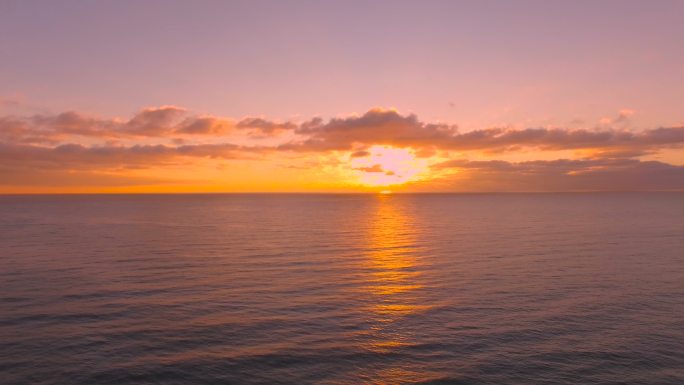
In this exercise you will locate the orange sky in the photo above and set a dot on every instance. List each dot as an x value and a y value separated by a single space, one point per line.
172 149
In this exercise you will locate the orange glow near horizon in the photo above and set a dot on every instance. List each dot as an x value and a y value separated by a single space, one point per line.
195 153
387 166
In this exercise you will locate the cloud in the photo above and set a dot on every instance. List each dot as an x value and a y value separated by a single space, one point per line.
78 156
622 118
168 135
501 139
158 122
375 127
563 175
76 164
51 128
265 127
360 154
10 101
373 168
154 121
10 176
388 127
205 125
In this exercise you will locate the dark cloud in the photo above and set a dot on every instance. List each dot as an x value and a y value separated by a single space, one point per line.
375 127
360 154
206 125
500 139
75 164
154 121
77 156
161 122
51 128
265 127
563 175
373 168
388 127
13 176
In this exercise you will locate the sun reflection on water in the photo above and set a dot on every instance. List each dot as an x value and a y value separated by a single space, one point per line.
392 280
392 261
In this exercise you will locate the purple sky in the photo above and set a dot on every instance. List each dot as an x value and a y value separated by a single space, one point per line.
476 64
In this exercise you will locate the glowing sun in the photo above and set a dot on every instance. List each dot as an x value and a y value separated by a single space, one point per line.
386 166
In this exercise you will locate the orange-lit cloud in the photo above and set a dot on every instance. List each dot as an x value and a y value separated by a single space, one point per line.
381 147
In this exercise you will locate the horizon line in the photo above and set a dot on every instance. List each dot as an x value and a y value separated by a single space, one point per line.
348 192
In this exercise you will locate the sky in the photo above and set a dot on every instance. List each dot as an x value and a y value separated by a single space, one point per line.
353 96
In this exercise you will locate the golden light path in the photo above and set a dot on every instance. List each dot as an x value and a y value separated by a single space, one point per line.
393 283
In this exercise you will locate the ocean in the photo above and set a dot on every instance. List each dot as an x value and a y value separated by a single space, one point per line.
576 288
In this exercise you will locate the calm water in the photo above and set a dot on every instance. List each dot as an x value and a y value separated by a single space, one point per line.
342 289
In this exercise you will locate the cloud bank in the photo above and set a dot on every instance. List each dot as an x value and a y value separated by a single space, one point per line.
609 156
565 175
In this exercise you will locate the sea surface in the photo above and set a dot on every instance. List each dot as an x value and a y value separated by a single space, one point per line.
584 288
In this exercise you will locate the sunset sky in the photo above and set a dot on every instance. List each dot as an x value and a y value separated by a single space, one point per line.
354 96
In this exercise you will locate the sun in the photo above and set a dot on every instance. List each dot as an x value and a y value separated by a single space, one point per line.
386 166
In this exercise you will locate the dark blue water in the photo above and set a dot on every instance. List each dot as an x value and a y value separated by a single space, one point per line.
342 289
